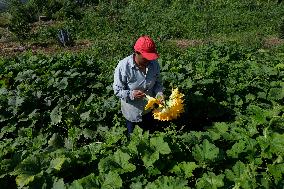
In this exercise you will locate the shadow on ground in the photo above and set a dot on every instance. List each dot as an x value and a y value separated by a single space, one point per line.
200 113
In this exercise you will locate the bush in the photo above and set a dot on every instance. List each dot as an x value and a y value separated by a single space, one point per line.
67 9
20 20
4 19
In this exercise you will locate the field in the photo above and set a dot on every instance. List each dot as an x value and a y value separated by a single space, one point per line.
61 125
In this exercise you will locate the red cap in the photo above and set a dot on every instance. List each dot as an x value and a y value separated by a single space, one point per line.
146 46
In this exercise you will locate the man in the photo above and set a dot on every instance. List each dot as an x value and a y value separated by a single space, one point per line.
135 77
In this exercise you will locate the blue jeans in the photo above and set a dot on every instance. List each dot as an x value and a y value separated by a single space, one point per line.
148 123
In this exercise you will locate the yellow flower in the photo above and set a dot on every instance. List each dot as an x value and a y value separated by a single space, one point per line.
151 102
162 115
175 94
171 109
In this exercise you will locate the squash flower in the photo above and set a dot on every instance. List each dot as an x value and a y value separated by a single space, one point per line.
169 110
151 102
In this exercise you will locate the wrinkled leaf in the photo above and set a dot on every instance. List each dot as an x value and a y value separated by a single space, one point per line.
56 115
205 152
210 180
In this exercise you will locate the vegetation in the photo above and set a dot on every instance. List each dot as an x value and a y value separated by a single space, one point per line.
61 125
245 22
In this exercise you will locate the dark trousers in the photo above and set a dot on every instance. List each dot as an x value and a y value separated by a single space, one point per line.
148 123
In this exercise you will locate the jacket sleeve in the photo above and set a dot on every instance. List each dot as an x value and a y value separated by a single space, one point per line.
158 87
120 85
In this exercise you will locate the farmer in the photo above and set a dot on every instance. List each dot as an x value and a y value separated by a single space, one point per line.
135 77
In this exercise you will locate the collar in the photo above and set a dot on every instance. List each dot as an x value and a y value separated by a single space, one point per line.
132 63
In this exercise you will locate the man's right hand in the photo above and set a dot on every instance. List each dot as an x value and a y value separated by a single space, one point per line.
138 94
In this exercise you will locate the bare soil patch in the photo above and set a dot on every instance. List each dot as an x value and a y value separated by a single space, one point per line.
268 42
272 42
185 43
13 48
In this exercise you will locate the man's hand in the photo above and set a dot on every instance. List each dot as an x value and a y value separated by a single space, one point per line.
161 98
138 94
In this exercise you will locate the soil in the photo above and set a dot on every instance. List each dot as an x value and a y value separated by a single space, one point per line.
14 48
267 43
185 43
272 41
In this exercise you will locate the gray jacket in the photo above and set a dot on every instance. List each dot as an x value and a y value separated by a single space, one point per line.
128 77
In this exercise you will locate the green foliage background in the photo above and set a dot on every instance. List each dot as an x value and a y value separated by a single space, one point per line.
61 125
245 22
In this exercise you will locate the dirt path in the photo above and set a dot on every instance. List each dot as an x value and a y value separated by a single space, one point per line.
13 48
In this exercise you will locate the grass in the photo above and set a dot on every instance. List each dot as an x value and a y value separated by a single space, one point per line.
247 23
4 19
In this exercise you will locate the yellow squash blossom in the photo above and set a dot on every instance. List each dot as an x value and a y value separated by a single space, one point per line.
151 102
170 110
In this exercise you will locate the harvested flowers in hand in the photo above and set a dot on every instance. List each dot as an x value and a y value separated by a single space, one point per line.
170 109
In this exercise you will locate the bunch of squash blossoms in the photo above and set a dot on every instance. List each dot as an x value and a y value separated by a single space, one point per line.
167 110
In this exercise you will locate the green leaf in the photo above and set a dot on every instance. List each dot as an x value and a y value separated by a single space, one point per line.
85 116
138 134
75 185
277 122
277 143
6 166
112 180
55 141
238 174
62 84
271 144
88 133
137 185
238 100
159 145
118 162
24 179
152 171
236 149
265 180
27 74
168 182
242 175
218 130
6 130
113 135
28 170
19 101
276 94
277 171
184 169
58 184
205 152
257 114
57 163
250 98
150 157
261 95
90 181
139 141
210 180
56 115
74 133
122 159
95 149
280 66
